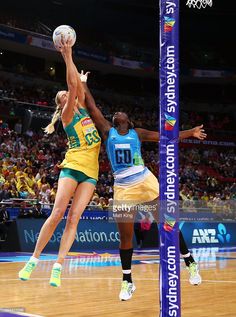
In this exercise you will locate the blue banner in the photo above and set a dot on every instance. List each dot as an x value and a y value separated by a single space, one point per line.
86 215
92 55
91 235
8 34
45 42
209 234
95 215
169 185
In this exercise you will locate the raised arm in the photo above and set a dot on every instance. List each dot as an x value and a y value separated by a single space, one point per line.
98 118
71 79
80 94
154 136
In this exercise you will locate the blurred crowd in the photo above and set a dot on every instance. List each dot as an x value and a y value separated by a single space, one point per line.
208 179
29 170
42 98
212 121
29 159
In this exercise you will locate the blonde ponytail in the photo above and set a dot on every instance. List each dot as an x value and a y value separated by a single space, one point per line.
56 116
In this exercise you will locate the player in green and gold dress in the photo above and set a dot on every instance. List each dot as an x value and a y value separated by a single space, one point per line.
79 169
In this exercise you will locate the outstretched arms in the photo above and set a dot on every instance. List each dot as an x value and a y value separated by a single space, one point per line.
147 135
79 90
71 79
154 136
101 123
198 132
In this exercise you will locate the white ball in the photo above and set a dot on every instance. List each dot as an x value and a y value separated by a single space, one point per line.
66 31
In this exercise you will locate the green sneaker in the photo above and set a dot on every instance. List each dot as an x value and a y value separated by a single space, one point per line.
25 273
55 279
194 276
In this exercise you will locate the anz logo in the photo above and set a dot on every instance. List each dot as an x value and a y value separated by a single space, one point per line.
211 235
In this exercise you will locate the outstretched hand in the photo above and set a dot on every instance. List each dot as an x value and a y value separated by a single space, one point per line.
84 76
199 132
65 47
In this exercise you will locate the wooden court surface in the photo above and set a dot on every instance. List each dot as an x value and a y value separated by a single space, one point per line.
93 291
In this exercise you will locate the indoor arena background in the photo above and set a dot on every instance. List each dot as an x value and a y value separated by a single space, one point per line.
118 42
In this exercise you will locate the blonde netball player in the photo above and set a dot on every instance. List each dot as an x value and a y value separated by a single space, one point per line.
79 172
133 181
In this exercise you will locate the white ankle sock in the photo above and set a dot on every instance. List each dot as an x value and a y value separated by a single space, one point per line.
33 259
57 266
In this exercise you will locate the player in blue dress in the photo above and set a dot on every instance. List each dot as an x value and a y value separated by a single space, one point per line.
133 182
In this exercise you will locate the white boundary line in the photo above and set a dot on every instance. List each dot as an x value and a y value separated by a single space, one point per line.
110 278
85 257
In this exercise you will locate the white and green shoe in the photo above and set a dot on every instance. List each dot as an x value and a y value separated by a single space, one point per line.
55 279
194 276
127 290
25 273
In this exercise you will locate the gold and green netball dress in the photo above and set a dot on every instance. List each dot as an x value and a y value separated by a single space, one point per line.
81 160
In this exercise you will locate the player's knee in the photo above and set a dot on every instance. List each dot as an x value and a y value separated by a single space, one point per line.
126 238
72 220
56 216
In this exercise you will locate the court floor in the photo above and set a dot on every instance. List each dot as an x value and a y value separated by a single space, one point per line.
91 284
